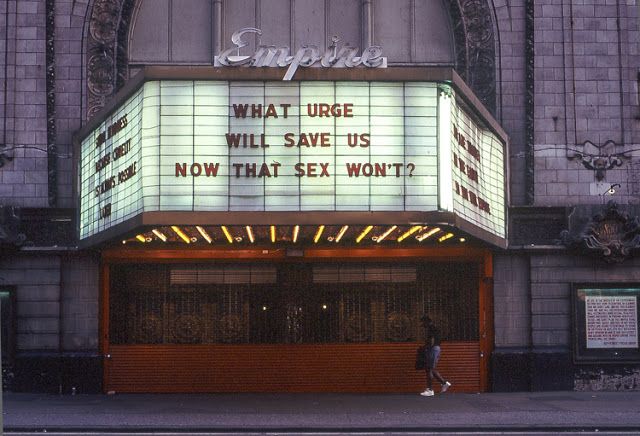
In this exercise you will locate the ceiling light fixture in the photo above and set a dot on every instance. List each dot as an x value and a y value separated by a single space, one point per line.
316 238
409 232
341 233
430 233
140 238
204 234
227 234
250 234
385 234
364 233
160 235
445 237
296 230
180 233
273 234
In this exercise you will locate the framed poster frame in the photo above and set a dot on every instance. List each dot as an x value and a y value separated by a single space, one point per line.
605 322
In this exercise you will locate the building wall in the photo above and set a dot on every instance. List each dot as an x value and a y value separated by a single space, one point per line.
586 95
510 24
586 66
551 278
56 320
23 182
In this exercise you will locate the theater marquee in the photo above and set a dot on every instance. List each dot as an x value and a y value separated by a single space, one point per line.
227 146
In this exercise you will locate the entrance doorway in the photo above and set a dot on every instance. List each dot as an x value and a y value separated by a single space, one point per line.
298 327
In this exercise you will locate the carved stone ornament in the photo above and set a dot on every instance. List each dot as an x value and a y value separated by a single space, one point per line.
598 158
474 39
107 46
611 235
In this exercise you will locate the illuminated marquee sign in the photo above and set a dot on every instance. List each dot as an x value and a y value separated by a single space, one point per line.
283 146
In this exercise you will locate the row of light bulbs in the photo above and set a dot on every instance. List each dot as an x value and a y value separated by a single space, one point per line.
296 231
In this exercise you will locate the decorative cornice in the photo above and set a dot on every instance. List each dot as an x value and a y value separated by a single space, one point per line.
611 235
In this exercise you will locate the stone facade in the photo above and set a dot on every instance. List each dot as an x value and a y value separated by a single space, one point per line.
566 93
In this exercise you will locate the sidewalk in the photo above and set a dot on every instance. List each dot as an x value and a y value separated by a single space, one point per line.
348 412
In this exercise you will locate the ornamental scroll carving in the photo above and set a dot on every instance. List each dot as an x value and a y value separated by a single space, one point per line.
599 158
611 235
107 50
107 68
474 38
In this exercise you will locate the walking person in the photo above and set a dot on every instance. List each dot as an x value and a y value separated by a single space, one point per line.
432 350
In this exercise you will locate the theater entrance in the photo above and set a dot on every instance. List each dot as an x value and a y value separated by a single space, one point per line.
291 325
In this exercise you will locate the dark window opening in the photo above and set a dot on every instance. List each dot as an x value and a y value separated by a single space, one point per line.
8 337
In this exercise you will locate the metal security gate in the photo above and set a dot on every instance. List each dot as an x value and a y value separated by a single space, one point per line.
287 327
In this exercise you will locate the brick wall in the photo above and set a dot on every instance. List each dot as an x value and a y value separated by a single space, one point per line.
69 25
512 317
37 281
551 278
45 285
23 182
510 16
586 95
80 303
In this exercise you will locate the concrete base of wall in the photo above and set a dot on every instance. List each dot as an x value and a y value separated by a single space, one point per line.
607 378
515 370
552 371
510 370
57 373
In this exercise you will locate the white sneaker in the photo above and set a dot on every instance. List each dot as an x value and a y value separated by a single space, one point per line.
445 386
427 393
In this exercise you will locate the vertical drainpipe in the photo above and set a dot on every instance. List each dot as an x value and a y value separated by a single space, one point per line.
216 28
60 324
367 23
52 149
529 101
529 54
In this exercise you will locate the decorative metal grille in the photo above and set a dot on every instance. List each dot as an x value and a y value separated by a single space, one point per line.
203 304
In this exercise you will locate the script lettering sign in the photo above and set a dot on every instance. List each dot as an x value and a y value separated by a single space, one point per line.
305 56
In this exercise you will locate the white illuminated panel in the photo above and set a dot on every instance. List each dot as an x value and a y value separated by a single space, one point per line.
478 174
318 146
111 167
287 146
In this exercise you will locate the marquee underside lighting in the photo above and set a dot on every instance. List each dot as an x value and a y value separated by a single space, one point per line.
309 235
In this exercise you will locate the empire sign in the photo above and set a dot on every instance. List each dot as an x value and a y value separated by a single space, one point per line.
305 56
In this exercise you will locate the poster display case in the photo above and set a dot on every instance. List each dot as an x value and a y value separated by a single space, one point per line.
605 323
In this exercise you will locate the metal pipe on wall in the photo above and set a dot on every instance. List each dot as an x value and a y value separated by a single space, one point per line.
367 23
216 27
